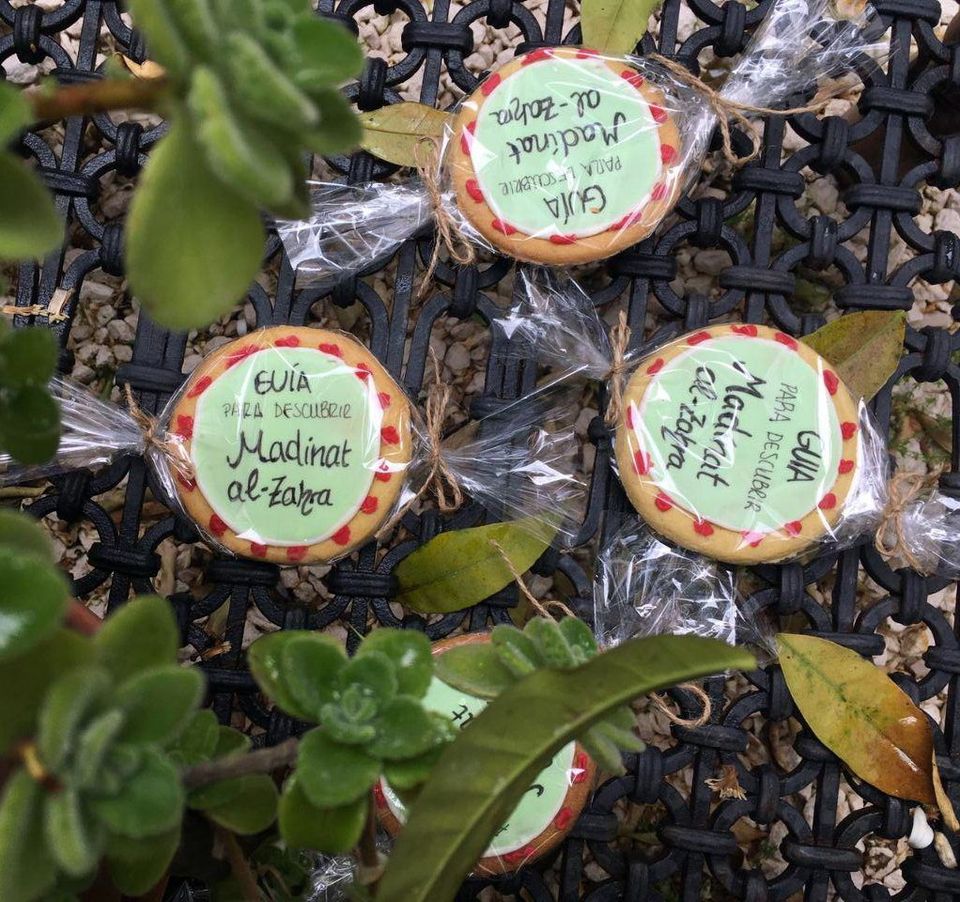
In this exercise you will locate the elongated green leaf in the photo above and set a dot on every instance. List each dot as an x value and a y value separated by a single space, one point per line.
615 26
68 704
861 715
395 132
158 702
72 837
33 600
26 868
864 348
93 745
454 818
136 865
151 801
332 830
15 114
32 674
251 807
193 244
459 569
140 635
339 128
327 53
166 43
475 668
29 224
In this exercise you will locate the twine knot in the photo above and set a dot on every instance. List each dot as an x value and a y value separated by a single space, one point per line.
441 480
726 108
169 446
449 234
902 490
616 375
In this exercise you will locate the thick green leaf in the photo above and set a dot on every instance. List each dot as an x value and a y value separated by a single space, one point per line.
409 651
311 663
861 715
193 244
339 129
332 774
404 730
395 132
33 601
615 26
32 674
327 53
27 357
459 569
157 702
199 740
15 113
579 638
69 703
230 742
137 865
373 675
26 868
29 422
167 46
475 668
93 746
73 838
29 224
266 665
241 154
408 774
454 819
251 807
335 831
516 651
23 534
140 635
150 803
864 348
196 25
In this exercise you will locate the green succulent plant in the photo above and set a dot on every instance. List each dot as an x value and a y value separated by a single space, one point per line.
96 779
372 723
486 669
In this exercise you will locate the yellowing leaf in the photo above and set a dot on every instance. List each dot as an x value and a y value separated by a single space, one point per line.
145 70
458 569
861 715
615 26
395 132
864 348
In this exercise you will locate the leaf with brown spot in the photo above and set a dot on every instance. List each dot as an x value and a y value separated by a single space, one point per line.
395 132
861 715
864 348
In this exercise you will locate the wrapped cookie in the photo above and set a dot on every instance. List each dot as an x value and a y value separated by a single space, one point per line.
565 156
737 440
294 445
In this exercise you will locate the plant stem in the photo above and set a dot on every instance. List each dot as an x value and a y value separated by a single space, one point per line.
92 97
239 866
262 761
370 863
81 619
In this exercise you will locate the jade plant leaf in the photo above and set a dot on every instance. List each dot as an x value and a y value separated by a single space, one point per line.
68 704
474 668
861 715
199 740
26 868
22 534
304 826
156 703
15 113
615 26
458 569
194 245
72 837
311 663
27 357
136 865
29 421
409 651
332 774
864 348
140 635
453 820
396 133
248 805
29 225
33 601
327 54
404 730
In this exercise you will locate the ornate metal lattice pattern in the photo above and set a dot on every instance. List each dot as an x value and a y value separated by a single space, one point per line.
881 196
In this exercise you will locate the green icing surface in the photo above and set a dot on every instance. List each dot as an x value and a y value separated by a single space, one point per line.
565 146
741 432
284 444
542 801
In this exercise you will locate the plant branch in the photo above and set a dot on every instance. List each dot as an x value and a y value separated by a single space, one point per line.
89 98
261 761
239 866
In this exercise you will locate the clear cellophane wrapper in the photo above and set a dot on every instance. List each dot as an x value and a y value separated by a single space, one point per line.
565 156
736 441
294 445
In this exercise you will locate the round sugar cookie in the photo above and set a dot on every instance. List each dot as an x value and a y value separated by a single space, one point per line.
547 811
563 156
738 441
299 441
